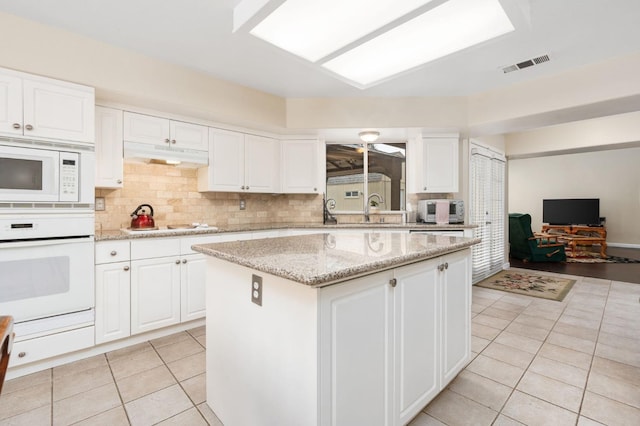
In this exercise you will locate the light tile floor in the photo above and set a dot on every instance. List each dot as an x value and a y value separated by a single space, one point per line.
535 362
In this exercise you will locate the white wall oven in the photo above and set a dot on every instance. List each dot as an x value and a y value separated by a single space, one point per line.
45 174
47 267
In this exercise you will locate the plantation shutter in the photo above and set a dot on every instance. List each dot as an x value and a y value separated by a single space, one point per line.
487 189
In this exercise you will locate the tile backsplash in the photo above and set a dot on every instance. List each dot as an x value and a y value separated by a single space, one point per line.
173 194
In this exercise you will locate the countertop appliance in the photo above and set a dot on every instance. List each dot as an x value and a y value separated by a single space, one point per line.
427 210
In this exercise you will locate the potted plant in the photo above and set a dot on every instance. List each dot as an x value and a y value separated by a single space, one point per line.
373 205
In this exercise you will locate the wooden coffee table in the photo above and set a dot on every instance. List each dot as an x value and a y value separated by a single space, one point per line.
572 241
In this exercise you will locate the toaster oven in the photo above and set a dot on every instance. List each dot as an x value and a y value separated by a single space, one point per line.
427 211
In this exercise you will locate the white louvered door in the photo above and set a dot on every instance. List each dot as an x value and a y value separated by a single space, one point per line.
487 189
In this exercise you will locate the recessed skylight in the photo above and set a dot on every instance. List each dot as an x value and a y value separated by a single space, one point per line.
366 42
448 28
313 29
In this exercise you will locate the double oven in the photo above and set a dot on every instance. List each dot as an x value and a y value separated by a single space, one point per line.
46 234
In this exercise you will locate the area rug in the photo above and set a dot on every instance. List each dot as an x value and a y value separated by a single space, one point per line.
529 284
587 257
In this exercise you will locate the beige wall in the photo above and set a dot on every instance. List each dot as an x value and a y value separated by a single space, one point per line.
122 76
440 114
580 135
173 194
613 176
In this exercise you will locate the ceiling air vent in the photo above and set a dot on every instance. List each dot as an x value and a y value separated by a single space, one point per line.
526 64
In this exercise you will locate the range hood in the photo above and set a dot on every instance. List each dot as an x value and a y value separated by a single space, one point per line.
142 152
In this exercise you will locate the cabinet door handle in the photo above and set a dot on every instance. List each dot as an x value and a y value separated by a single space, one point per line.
446 265
119 181
184 260
247 187
315 189
424 189
22 354
242 187
113 253
441 267
393 282
167 141
16 125
178 262
173 141
126 268
28 127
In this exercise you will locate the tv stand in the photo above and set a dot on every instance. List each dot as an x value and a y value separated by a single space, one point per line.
575 235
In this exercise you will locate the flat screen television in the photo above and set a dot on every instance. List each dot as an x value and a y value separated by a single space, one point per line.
574 211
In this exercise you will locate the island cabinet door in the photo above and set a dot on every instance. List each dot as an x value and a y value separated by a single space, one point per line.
356 352
456 314
416 325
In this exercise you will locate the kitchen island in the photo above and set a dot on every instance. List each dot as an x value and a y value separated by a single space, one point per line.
344 329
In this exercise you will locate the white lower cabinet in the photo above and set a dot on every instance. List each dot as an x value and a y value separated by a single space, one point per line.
356 352
390 342
155 293
416 331
113 301
192 286
147 284
113 291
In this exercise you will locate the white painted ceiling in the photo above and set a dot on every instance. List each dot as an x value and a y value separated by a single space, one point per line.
197 34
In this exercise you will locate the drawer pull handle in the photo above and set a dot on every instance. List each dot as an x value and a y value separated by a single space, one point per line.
16 125
28 127
178 262
184 260
22 354
126 268
393 282
167 141
173 141
113 253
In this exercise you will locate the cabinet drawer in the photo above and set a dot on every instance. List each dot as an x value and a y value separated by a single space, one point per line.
155 247
112 251
49 346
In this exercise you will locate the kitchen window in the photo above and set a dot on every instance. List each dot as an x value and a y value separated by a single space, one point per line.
382 166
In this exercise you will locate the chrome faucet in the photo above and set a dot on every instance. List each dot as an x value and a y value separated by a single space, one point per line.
366 207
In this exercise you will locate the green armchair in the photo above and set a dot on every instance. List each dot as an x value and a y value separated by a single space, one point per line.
528 247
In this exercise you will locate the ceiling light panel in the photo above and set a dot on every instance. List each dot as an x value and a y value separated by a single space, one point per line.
448 28
313 29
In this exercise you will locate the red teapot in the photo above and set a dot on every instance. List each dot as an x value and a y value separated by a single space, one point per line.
139 219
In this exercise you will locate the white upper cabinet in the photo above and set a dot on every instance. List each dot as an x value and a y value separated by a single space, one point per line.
300 162
226 163
10 104
109 162
240 163
43 108
436 164
261 164
151 130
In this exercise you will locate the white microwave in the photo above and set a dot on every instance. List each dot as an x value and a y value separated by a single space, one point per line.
50 174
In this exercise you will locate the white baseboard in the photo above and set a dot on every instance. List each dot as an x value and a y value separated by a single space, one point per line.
624 245
22 370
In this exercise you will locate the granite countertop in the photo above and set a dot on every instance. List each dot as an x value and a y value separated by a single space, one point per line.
322 259
118 234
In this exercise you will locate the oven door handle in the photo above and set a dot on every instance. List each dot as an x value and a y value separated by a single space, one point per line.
40 242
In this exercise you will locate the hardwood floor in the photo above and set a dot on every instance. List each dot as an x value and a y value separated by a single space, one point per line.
624 272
